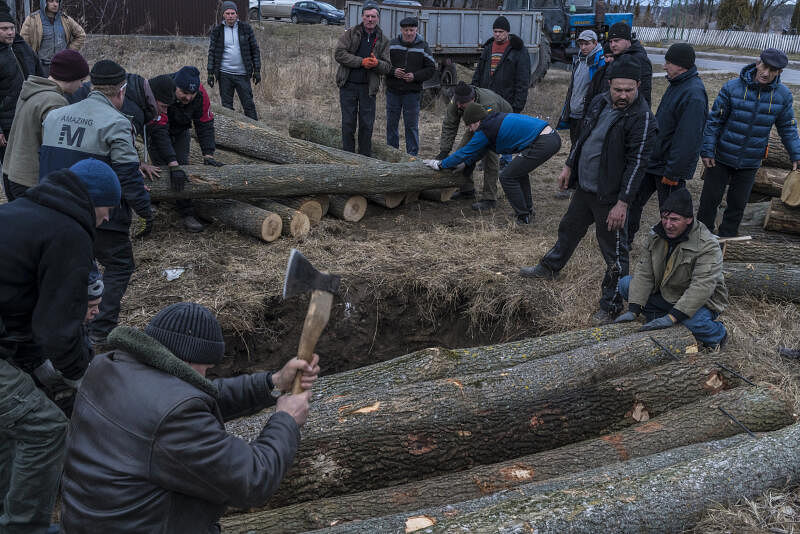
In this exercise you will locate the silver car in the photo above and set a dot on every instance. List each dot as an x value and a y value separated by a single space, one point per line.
271 8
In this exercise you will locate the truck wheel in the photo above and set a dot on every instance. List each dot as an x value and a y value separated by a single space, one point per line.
448 83
253 14
540 69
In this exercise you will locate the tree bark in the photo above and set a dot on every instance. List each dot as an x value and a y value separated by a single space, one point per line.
295 223
387 200
309 206
255 181
442 194
451 424
411 197
348 208
769 181
765 247
782 218
777 155
243 217
323 134
763 280
228 157
699 421
325 202
668 500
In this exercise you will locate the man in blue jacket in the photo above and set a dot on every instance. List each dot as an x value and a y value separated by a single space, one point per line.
681 116
506 133
584 66
736 135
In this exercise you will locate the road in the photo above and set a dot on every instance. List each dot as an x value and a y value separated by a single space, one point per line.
788 76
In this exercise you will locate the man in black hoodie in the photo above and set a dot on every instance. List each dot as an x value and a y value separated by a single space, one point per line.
42 307
622 44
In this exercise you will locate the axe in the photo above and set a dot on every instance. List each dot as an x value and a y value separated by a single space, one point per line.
301 277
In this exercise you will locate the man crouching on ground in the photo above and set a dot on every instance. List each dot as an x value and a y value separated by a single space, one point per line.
147 449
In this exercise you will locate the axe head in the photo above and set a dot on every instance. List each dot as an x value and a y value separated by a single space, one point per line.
302 277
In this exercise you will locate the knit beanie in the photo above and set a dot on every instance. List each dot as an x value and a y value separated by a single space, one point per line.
163 88
188 79
680 202
619 30
107 72
5 14
68 66
463 93
100 180
229 5
624 67
474 112
95 283
501 23
190 331
681 54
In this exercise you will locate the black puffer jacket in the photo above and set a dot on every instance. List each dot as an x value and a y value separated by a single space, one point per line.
147 449
17 62
639 54
413 57
248 44
512 78
626 149
47 236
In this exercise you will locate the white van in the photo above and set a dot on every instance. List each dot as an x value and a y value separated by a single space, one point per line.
271 8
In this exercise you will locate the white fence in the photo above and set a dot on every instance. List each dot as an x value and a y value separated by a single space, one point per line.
721 38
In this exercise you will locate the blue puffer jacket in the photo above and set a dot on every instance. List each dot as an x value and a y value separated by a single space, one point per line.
737 129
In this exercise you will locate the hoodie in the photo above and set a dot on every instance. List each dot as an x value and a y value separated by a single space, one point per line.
38 97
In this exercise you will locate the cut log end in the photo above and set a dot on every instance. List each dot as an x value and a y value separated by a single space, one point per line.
348 208
387 200
309 206
271 227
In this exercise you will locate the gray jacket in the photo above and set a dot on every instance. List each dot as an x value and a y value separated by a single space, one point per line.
147 449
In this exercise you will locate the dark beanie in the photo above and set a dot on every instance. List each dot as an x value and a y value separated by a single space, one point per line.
681 54
107 72
190 331
68 66
474 112
463 93
163 88
624 67
5 14
188 79
100 180
680 202
409 22
95 288
229 5
501 23
619 30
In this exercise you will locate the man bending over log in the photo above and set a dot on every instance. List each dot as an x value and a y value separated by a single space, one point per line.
147 449
506 133
679 276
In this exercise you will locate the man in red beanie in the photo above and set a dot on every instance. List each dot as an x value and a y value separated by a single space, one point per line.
39 96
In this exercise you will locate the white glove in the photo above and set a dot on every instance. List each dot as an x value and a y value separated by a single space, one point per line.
434 164
48 375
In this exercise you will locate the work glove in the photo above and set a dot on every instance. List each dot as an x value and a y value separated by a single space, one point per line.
211 79
657 324
48 375
369 62
434 164
626 317
256 78
442 155
177 179
211 161
74 384
468 170
146 226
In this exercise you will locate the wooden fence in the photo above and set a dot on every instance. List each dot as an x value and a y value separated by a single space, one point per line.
721 38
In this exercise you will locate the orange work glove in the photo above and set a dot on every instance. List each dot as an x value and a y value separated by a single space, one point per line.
667 181
369 62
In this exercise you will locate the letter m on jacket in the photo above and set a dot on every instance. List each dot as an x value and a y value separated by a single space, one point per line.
67 136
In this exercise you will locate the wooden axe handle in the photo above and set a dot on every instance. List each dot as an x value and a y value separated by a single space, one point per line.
319 311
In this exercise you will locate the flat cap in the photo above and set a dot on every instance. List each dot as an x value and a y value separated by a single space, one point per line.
774 58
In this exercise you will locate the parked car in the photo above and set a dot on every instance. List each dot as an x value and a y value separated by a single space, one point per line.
402 3
314 12
271 8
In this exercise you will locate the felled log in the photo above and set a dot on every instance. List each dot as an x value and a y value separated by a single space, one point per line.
323 134
776 153
782 218
309 206
295 223
228 157
445 425
387 200
764 247
770 281
325 202
700 421
442 194
255 181
245 218
667 500
348 208
769 181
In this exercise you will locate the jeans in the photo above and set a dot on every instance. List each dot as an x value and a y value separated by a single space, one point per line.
584 210
650 183
408 103
703 324
739 183
32 443
240 83
358 110
180 144
514 178
114 251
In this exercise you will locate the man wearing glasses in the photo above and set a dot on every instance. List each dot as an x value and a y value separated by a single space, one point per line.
95 128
